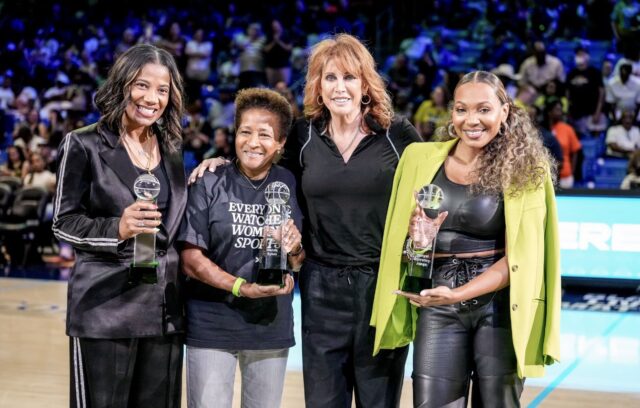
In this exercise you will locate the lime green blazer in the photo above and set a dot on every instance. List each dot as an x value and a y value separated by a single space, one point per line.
533 257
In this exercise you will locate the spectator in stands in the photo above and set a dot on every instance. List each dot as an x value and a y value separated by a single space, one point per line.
443 58
625 20
37 174
198 52
24 138
623 93
37 126
607 71
175 44
196 132
623 139
128 40
526 96
549 141
16 165
585 91
88 66
7 97
541 67
632 179
223 145
432 113
282 88
426 66
566 137
509 79
118 314
420 91
149 35
552 89
400 75
277 54
252 73
222 109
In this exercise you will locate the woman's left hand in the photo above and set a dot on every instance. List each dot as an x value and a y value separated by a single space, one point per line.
441 295
208 164
291 237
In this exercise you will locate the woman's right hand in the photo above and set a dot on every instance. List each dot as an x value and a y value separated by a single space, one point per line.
422 229
139 217
254 291
208 164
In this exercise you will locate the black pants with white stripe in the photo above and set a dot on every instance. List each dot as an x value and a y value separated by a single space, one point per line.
126 373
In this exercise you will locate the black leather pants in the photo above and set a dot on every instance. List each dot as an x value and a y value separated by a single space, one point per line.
455 341
337 341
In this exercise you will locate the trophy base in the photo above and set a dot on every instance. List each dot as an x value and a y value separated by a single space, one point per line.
268 277
414 284
143 273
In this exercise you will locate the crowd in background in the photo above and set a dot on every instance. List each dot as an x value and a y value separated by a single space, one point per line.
574 65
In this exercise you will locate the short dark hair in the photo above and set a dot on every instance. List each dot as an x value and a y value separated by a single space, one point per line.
113 96
271 101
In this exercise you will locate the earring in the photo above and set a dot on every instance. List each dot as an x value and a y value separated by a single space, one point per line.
319 100
368 99
451 131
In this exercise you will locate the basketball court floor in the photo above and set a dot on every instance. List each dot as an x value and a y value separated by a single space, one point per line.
600 355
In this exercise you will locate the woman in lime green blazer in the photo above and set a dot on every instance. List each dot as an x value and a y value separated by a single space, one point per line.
494 151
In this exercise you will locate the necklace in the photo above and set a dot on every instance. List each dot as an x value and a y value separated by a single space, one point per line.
249 180
353 139
140 152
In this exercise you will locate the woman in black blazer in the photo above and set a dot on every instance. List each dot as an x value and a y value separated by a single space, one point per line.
124 328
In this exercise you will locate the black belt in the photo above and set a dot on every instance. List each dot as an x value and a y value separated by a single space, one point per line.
459 271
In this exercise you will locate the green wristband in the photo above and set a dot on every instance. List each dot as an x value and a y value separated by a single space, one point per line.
236 287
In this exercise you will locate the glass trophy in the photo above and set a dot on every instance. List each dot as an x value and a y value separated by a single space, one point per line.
420 260
273 257
143 268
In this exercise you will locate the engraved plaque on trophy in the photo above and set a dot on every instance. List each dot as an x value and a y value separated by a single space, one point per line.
420 259
144 265
273 257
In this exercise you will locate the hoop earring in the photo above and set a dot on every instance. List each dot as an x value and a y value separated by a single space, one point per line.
503 129
368 99
319 100
451 131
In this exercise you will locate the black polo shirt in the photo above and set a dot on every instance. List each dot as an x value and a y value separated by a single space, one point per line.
345 204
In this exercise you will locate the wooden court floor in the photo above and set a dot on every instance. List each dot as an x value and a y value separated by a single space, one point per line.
34 368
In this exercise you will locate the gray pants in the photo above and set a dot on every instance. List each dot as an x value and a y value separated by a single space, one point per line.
211 375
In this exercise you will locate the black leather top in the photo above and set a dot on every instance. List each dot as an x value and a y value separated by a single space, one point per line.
475 222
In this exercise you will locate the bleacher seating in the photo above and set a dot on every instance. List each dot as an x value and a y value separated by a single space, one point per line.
610 172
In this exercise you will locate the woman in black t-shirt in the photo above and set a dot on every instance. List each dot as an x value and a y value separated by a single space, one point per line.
231 319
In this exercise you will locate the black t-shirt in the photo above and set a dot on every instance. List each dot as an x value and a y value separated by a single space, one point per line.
583 87
224 216
345 205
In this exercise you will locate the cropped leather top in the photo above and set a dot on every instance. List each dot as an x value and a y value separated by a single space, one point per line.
475 222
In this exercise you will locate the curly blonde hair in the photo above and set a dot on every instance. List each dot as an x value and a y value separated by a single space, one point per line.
350 55
515 160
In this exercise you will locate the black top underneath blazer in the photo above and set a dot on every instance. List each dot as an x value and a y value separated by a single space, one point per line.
95 185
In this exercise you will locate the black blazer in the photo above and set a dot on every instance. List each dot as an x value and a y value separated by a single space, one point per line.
95 185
